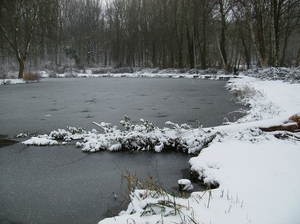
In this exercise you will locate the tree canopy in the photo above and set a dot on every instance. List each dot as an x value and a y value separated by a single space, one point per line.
149 33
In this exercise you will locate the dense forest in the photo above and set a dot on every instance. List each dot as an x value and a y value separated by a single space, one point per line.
37 34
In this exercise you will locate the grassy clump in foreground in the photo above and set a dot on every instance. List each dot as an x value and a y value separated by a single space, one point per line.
148 198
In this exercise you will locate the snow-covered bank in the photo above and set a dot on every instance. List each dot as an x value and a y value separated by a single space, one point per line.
267 99
290 75
214 74
259 183
12 81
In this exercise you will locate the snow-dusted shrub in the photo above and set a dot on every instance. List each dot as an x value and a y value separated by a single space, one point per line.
3 74
244 93
71 133
52 74
144 136
211 71
31 77
169 71
61 70
122 70
100 70
281 73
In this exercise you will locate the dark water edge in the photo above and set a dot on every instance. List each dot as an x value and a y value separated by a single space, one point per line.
63 185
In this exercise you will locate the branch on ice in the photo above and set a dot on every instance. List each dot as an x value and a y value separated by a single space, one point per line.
145 136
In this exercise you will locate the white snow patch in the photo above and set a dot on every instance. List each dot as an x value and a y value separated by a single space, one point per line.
187 184
12 81
41 141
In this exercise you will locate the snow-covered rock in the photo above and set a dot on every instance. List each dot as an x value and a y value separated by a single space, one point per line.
185 185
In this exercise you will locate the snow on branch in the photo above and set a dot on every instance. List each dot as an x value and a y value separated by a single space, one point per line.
141 137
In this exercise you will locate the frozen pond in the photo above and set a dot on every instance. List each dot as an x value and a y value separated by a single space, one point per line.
57 103
63 185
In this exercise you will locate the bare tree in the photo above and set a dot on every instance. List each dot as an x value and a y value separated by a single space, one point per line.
157 33
244 34
222 42
289 23
255 11
19 25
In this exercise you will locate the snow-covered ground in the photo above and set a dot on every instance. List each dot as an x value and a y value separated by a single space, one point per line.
258 172
88 74
11 81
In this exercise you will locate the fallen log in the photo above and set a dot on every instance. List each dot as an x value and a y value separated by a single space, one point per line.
292 125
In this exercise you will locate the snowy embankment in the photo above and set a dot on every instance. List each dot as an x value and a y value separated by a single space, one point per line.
255 166
212 74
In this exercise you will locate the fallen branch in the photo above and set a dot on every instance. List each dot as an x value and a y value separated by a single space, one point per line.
292 125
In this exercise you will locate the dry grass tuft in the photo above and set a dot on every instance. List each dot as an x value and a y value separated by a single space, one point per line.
295 118
31 77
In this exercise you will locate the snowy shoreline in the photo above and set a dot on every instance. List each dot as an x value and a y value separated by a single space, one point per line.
222 77
290 75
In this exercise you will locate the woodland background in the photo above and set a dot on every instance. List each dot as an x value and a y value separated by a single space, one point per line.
52 34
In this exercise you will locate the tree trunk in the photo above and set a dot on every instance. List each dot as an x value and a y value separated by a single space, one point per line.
275 18
246 51
222 43
282 59
202 35
259 51
21 68
298 56
286 37
190 48
221 55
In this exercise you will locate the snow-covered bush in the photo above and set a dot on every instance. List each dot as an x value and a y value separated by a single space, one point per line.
100 70
3 74
144 136
71 133
281 73
122 70
147 136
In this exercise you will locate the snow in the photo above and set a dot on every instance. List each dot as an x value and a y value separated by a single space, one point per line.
144 136
185 184
40 141
258 174
265 175
150 73
270 99
11 81
184 181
